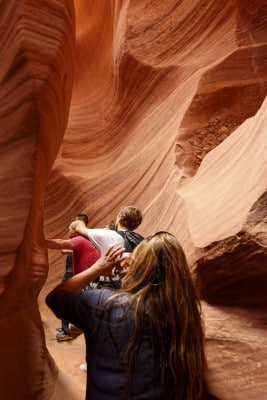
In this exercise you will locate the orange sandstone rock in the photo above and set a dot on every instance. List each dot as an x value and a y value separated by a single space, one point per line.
165 108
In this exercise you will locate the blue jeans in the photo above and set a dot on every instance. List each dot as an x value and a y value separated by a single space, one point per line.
64 323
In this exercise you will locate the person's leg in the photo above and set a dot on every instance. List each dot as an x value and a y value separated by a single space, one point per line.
64 333
65 327
67 276
65 324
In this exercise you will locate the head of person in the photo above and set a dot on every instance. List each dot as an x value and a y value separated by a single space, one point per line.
111 225
159 281
82 217
72 227
129 218
72 231
79 217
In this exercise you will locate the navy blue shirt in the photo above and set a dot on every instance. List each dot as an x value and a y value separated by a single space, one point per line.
106 376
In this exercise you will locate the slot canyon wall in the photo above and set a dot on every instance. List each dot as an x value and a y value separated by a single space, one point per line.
160 104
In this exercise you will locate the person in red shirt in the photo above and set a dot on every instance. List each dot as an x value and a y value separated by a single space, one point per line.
65 331
84 253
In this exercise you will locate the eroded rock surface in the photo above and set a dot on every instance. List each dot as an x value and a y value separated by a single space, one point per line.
36 74
233 271
165 109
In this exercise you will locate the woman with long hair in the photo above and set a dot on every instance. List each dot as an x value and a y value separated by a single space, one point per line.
144 341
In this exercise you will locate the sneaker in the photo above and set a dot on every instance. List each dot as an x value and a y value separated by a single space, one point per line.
83 367
61 336
74 331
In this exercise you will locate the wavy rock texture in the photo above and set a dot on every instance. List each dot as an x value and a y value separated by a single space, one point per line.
37 41
168 112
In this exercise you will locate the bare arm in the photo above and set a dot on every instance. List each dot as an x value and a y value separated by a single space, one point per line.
80 228
59 244
103 266
66 252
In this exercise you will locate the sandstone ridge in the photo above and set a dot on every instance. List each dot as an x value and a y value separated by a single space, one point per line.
158 104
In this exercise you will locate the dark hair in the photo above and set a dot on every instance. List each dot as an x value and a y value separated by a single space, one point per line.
111 225
82 217
130 217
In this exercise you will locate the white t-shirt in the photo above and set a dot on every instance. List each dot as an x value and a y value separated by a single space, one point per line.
103 239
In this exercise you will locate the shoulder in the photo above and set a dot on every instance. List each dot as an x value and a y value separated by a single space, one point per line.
97 297
76 240
104 234
100 297
101 232
131 239
97 232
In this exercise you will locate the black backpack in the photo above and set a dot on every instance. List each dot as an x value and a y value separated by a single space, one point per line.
131 239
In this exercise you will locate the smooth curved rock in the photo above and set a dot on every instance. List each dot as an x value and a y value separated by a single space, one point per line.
165 109
36 42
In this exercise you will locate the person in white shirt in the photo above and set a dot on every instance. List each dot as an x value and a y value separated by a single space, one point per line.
128 219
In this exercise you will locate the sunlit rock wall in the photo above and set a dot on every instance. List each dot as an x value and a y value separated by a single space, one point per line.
168 112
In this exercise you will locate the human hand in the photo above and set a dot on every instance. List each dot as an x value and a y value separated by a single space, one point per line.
66 252
111 258
76 224
122 264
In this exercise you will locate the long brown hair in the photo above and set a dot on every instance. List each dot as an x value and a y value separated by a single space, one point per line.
166 302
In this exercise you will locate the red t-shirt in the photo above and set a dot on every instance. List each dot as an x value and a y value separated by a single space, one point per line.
84 254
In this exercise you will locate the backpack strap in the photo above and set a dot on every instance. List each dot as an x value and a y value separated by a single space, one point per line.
131 239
